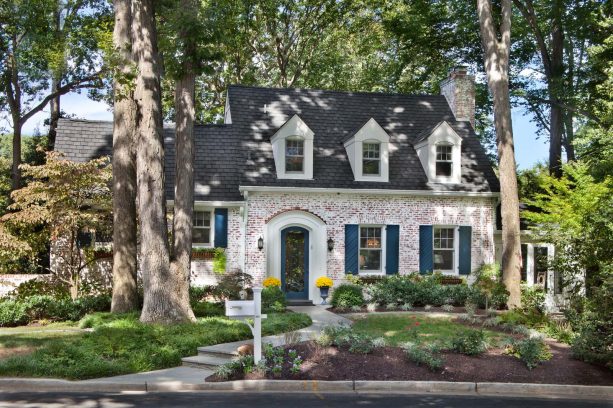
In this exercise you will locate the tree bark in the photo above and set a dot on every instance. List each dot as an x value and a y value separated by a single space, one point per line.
125 294
185 89
555 86
161 302
54 116
496 56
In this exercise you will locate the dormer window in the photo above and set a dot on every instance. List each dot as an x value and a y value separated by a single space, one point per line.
439 149
444 160
368 153
292 148
371 159
294 155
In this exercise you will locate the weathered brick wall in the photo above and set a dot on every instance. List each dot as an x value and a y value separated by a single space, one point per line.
459 90
202 270
409 212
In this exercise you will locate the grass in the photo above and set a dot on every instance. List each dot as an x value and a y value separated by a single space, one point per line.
402 328
120 344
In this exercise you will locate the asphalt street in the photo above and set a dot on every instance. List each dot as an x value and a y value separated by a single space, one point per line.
268 400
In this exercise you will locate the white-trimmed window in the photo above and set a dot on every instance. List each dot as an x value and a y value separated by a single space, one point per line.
368 153
292 149
445 249
444 160
371 159
202 232
371 249
294 155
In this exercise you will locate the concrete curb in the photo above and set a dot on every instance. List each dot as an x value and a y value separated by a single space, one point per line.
415 387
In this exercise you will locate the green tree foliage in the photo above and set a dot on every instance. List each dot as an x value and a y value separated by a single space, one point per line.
575 213
62 200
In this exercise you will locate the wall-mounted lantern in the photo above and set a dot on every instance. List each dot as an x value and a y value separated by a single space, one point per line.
261 243
330 244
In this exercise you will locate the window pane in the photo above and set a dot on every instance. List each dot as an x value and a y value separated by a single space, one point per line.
370 166
202 218
370 150
370 237
294 155
294 163
443 168
370 260
443 260
443 238
201 236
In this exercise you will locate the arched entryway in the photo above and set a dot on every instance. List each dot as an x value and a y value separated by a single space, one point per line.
297 252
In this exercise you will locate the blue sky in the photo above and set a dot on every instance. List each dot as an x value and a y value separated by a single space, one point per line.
528 150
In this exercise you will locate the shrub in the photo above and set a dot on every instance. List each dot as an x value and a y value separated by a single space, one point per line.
361 344
40 286
203 293
219 261
533 299
424 355
347 295
532 351
15 313
488 281
447 308
353 279
273 300
208 309
469 342
230 284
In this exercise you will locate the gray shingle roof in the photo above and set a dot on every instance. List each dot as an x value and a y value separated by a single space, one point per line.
215 166
334 116
241 154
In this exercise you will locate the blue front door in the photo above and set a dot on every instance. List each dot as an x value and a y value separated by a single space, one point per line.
295 262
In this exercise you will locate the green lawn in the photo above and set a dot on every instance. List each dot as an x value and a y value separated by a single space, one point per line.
401 328
122 345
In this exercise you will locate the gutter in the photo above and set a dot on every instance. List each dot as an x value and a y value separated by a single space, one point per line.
379 191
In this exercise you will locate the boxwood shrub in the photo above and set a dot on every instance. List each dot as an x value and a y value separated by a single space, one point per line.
20 312
347 295
273 300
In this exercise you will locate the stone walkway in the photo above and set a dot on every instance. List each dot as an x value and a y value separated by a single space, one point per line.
195 369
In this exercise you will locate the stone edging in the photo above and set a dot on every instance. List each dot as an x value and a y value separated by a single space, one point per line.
418 387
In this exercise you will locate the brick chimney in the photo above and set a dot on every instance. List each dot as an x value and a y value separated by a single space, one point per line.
459 90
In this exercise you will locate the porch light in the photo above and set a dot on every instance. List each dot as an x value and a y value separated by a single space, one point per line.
261 243
330 244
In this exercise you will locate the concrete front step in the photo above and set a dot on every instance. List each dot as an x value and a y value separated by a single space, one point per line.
208 362
297 302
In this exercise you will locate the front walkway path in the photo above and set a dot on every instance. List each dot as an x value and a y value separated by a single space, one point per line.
197 368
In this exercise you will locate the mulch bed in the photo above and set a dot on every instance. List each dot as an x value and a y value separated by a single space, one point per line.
456 310
331 363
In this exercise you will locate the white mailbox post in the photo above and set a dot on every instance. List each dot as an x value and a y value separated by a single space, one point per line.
246 309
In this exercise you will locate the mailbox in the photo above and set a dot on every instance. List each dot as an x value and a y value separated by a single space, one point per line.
246 309
240 308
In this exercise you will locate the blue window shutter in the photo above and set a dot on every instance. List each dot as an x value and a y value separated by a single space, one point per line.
221 228
465 249
352 233
392 248
426 263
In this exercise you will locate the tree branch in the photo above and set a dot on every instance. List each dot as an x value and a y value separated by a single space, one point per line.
565 106
62 90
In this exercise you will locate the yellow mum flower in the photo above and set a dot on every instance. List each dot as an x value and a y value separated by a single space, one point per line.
323 282
271 281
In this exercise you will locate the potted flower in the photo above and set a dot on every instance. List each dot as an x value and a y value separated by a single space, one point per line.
271 281
324 284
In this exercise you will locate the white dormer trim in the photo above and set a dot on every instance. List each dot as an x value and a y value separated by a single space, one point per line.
443 134
371 132
293 128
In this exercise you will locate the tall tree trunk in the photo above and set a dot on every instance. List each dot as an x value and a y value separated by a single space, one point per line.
161 303
569 137
184 188
125 294
496 56
555 87
15 170
185 89
54 117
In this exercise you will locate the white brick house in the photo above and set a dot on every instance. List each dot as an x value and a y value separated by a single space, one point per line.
300 183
